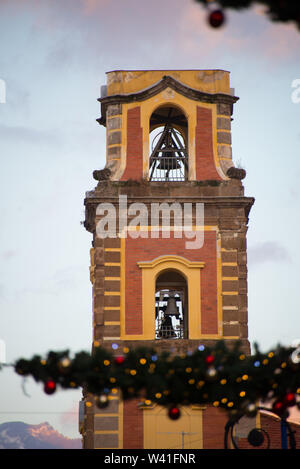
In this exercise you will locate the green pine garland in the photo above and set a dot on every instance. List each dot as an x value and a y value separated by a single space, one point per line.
219 376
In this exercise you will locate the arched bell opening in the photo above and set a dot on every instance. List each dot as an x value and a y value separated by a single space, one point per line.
168 145
171 306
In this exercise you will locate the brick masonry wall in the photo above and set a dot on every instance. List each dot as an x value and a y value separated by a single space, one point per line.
205 165
134 148
133 425
214 421
140 249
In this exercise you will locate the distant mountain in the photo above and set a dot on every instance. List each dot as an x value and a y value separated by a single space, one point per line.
20 435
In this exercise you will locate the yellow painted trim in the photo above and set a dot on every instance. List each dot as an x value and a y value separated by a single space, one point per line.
112 264
122 288
156 264
111 338
189 109
159 429
112 278
230 293
132 81
228 250
113 249
121 411
111 307
258 420
114 130
113 144
166 97
219 285
104 432
116 115
229 278
229 264
107 415
112 293
191 272
171 258
111 323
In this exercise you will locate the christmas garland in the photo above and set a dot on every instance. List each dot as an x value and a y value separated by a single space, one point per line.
276 10
219 376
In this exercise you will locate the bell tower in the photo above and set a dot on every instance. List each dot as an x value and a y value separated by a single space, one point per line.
169 221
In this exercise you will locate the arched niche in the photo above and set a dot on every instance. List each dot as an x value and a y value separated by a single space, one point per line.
168 143
171 305
154 273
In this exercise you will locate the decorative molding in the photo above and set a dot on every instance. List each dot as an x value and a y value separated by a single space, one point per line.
178 259
165 82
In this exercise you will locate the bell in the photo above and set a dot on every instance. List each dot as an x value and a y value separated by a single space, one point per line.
172 309
168 162
166 329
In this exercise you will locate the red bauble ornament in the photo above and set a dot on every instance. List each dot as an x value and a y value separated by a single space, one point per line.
278 407
216 18
119 360
50 386
289 399
174 413
209 359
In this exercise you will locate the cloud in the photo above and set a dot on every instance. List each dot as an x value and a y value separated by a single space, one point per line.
130 34
68 278
8 254
249 32
29 135
2 291
269 251
11 441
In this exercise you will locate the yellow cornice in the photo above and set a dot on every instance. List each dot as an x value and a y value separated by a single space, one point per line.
173 259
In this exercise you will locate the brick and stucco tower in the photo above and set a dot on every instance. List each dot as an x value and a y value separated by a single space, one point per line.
156 282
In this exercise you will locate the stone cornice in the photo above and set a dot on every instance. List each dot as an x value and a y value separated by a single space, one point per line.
165 82
220 202
92 197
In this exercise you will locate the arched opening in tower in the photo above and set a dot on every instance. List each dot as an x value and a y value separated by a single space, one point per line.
168 145
171 306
